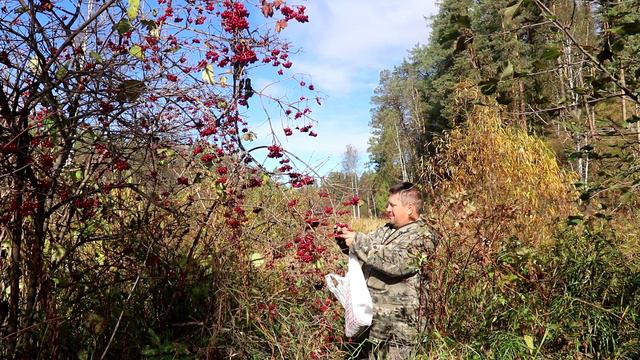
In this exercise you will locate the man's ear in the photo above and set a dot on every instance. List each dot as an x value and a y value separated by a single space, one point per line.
412 211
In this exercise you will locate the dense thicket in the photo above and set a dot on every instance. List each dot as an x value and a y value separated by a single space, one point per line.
135 218
136 221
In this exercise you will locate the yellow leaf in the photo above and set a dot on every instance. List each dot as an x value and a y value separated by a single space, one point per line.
132 10
136 51
256 259
34 65
249 136
529 341
208 75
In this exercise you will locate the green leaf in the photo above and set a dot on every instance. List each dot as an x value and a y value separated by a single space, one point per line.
509 12
574 127
57 252
48 123
83 355
633 119
95 323
539 64
627 195
136 51
574 220
122 26
319 264
99 257
154 337
208 75
488 87
130 90
448 36
528 340
627 29
463 21
618 45
62 71
581 90
95 56
149 352
585 196
166 152
132 10
149 24
77 175
551 53
503 98
507 71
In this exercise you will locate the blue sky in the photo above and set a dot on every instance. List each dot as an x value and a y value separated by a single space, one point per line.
342 51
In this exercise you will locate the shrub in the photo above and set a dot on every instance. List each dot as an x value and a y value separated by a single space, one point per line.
512 278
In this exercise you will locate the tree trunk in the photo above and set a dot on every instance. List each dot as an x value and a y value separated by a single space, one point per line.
403 167
16 247
357 191
17 235
623 98
522 106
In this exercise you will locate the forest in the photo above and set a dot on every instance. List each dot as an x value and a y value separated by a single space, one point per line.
140 220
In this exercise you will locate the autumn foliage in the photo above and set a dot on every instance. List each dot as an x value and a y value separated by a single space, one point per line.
497 171
137 217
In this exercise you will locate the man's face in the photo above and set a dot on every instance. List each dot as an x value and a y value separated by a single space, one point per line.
399 214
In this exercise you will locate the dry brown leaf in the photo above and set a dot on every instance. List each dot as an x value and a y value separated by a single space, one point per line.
281 24
267 9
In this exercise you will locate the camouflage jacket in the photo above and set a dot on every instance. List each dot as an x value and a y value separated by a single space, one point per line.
390 260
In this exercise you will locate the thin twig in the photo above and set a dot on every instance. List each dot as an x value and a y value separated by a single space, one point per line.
628 92
133 288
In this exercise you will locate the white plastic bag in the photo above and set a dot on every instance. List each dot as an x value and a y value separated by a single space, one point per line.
352 292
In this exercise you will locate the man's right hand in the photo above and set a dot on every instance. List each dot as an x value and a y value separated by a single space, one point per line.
344 233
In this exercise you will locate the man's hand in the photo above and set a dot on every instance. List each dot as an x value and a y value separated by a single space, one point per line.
344 233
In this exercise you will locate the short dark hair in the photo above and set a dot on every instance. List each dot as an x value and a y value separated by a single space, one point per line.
409 194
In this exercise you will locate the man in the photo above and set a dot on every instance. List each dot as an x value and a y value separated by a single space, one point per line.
390 262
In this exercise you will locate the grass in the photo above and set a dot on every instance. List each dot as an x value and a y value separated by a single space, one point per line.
366 225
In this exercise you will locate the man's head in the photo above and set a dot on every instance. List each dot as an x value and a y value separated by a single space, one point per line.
405 204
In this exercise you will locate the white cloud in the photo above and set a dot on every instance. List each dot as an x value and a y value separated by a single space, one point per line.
346 42
344 47
329 78
361 32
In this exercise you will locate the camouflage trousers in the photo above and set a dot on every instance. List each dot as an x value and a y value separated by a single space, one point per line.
389 350
391 353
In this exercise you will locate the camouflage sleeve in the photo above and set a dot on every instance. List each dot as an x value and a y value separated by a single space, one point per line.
396 259
365 243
